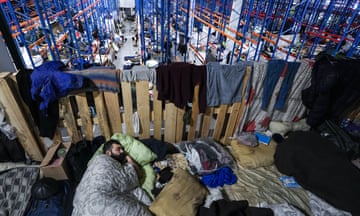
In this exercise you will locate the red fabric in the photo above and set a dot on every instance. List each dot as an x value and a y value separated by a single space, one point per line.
252 95
250 126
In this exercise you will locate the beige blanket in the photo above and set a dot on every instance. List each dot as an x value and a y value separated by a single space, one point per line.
263 185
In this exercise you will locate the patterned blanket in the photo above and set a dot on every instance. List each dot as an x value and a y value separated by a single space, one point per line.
15 189
109 188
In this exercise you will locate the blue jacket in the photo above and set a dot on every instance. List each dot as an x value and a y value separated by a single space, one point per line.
48 83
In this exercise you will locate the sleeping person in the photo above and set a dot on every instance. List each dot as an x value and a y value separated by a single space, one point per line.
110 186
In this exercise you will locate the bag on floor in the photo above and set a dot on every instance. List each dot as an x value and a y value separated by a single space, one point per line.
77 158
340 138
51 198
79 155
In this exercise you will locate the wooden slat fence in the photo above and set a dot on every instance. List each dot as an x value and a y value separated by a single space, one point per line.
81 113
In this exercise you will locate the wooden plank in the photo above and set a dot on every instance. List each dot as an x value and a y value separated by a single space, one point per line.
143 108
158 115
236 110
16 114
206 122
170 123
220 120
179 128
194 114
113 111
70 121
243 101
128 108
84 114
102 114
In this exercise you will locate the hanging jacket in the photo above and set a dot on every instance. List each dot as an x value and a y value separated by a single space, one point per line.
50 83
334 88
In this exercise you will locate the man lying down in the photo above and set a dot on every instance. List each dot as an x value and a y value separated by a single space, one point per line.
110 186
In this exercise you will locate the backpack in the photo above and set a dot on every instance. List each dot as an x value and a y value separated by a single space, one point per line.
79 155
58 204
330 130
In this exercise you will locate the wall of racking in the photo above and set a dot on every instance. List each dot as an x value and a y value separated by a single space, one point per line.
57 30
257 30
231 30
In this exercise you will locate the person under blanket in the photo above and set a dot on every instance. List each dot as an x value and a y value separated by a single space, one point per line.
110 186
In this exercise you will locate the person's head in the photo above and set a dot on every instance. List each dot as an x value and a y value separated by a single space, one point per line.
114 149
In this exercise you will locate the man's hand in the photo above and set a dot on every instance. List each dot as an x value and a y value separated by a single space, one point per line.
136 166
129 160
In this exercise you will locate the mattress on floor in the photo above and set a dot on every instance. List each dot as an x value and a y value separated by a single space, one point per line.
263 185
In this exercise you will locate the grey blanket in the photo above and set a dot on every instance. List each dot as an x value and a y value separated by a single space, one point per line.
109 188
15 189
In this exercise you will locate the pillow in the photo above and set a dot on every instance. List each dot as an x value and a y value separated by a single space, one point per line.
181 196
253 157
136 149
148 180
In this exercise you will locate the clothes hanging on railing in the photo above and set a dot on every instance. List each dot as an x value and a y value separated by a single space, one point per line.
100 78
334 88
257 119
137 73
50 82
176 81
224 83
278 69
294 108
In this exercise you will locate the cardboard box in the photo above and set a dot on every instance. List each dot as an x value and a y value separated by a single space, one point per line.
54 166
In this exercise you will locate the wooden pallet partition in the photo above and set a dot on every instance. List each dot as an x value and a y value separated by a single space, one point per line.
143 108
158 115
128 107
112 104
18 116
158 119
86 121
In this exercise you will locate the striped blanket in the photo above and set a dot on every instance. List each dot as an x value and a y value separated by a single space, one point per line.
100 78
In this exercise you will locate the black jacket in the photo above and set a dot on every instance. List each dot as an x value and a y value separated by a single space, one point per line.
334 89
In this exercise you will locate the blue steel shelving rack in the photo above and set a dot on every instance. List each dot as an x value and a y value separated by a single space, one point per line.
28 18
266 29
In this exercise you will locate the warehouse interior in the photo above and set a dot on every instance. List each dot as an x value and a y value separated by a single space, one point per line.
231 30
179 107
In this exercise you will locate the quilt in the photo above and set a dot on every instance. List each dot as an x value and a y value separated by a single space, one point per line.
15 189
109 188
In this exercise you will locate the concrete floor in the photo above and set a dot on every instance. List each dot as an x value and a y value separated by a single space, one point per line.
127 49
